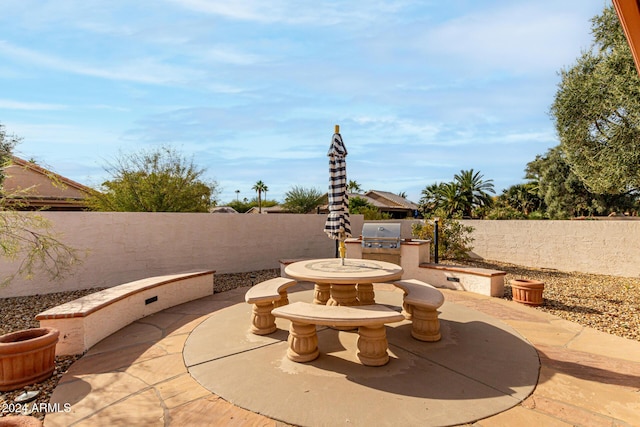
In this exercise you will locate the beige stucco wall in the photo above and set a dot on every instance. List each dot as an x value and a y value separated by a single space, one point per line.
605 247
122 247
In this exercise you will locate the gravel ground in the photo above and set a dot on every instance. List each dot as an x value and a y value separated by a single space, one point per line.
606 303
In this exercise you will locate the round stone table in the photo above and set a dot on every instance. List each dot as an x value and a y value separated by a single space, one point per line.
350 283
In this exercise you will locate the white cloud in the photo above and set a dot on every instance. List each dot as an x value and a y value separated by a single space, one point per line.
9 104
532 136
317 13
146 70
231 55
522 37
55 137
410 129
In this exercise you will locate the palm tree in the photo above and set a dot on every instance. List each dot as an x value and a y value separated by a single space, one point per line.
353 187
441 196
450 198
523 197
474 191
259 187
431 197
237 194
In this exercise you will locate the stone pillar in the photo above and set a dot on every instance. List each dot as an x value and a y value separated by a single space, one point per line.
373 345
425 324
343 295
321 293
366 295
262 321
303 342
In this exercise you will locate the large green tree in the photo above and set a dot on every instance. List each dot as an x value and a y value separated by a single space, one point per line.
156 180
523 197
597 112
564 193
519 201
302 200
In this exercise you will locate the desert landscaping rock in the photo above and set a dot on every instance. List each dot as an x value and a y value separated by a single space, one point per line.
607 303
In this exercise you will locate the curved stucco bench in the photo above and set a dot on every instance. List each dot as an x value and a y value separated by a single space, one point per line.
265 296
421 302
482 281
85 321
369 319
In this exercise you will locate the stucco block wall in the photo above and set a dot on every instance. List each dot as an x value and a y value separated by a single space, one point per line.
119 247
122 247
589 246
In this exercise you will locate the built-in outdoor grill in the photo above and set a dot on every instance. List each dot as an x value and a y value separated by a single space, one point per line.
381 241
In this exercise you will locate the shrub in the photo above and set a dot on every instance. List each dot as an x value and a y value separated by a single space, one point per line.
454 239
505 212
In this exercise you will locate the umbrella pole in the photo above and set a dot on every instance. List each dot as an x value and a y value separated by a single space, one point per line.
343 250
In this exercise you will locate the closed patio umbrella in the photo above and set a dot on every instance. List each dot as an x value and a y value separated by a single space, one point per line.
338 226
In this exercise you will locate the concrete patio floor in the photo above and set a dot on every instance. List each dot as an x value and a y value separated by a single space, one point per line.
499 364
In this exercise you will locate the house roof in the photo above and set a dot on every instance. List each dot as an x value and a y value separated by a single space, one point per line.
383 200
268 210
223 209
391 199
37 187
370 200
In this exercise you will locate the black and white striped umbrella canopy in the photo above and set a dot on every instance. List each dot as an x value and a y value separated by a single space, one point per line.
338 226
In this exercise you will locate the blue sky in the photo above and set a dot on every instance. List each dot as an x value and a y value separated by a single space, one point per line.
251 90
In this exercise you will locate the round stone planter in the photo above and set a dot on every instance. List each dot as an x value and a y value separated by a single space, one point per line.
527 291
20 421
27 357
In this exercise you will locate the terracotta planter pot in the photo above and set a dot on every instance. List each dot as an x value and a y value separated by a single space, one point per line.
527 291
20 421
27 357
